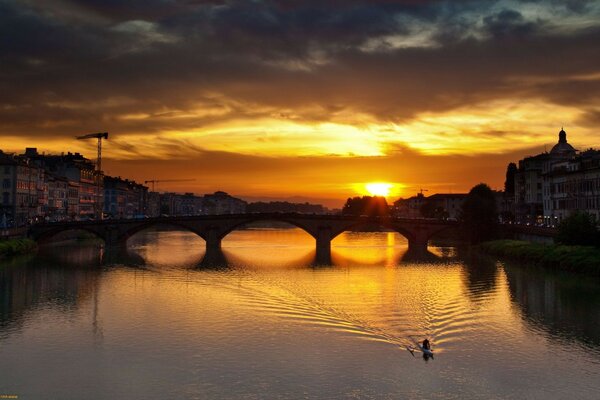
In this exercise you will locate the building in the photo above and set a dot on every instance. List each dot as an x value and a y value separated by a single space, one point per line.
181 204
285 207
222 203
21 187
8 177
58 198
409 208
550 186
572 185
529 189
189 204
153 204
124 198
72 200
82 176
209 204
439 205
447 205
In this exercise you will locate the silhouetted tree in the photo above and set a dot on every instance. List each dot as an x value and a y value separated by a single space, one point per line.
366 205
509 183
578 229
479 215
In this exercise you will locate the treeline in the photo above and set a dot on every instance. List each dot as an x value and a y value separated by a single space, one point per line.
366 205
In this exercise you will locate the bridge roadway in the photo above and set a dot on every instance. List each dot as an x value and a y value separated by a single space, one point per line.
213 228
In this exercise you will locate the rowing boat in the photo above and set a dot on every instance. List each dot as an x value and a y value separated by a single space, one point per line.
425 351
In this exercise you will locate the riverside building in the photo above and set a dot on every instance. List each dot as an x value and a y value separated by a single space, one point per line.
552 185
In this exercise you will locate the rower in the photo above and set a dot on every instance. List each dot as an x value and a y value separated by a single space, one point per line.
426 345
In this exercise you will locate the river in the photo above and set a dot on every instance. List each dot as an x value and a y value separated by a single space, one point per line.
77 322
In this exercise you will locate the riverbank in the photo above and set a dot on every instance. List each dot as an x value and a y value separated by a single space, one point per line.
580 259
13 247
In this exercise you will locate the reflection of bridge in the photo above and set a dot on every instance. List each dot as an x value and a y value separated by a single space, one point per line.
213 228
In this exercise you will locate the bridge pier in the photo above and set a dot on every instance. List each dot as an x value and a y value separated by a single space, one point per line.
417 244
213 245
323 242
113 239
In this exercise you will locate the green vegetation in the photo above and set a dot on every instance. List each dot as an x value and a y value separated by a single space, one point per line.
578 229
479 216
12 247
581 259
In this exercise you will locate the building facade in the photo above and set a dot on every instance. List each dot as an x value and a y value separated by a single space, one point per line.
81 174
551 186
222 203
23 191
529 189
439 205
58 200
124 198
572 185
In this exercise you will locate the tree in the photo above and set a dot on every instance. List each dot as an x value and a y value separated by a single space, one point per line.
366 205
509 183
479 214
578 229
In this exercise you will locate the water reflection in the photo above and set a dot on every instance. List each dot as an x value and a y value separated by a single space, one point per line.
481 273
263 322
565 306
37 282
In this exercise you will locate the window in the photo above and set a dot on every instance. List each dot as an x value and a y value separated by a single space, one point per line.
5 198
6 184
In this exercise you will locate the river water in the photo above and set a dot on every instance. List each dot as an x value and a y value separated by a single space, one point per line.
77 322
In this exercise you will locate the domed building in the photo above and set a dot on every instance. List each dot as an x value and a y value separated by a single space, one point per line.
571 182
562 149
539 183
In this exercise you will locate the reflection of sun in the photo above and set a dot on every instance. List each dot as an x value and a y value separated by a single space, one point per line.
378 188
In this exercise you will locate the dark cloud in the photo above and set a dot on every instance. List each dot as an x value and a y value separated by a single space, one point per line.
509 23
68 66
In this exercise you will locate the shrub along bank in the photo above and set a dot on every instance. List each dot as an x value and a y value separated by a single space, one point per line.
581 259
12 247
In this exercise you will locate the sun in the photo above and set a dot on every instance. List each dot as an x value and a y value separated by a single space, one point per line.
379 188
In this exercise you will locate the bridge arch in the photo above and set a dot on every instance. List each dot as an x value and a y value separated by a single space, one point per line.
237 224
383 223
146 225
49 236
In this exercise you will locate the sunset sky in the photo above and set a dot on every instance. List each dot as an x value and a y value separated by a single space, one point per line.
301 99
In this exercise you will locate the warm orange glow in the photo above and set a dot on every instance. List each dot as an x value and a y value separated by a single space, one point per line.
379 188
327 162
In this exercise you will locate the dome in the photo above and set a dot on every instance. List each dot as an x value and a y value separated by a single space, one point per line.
562 148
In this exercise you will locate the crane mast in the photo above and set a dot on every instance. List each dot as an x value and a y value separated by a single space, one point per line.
99 136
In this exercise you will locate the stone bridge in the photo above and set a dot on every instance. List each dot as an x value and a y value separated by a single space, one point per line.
213 228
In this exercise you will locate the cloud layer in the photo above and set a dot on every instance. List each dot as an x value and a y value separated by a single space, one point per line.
299 78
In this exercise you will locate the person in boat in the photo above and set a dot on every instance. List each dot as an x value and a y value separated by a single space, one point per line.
426 344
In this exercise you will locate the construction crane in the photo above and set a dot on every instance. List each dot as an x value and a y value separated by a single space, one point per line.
99 136
154 181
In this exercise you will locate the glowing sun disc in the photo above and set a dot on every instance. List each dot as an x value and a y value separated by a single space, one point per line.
378 188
